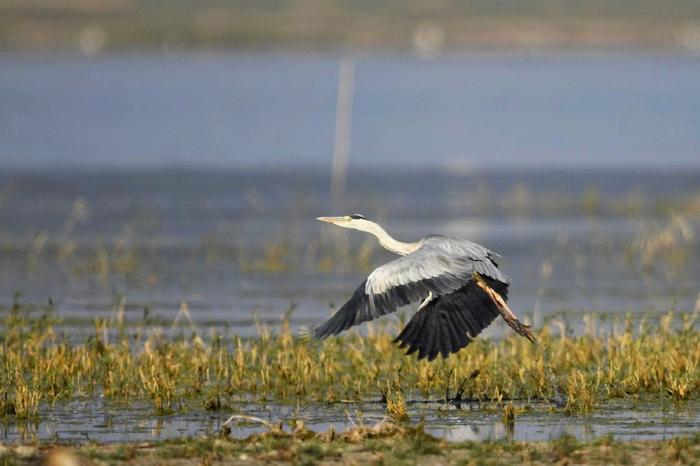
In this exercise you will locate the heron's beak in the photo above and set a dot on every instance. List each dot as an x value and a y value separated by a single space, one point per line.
334 220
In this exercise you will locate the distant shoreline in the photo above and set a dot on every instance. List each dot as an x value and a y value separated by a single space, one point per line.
36 25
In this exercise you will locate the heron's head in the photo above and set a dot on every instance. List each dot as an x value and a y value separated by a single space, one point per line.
355 222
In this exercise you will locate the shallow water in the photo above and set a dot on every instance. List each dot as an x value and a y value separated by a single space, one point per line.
235 245
465 145
97 420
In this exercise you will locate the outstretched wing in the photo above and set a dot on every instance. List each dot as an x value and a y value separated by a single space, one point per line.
441 266
450 322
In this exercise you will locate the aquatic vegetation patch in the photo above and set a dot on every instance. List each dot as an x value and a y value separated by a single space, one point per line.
40 365
395 402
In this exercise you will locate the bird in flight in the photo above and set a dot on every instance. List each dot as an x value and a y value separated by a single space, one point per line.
458 283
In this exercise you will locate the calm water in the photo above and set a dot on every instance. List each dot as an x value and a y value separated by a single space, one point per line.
267 109
236 244
97 420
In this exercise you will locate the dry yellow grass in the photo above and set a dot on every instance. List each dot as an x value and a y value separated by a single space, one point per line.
37 364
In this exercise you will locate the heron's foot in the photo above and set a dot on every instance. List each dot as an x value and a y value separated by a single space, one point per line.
520 328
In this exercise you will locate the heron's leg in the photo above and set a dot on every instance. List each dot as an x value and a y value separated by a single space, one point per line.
506 313
559 399
426 301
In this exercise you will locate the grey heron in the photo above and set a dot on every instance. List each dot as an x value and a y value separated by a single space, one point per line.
458 283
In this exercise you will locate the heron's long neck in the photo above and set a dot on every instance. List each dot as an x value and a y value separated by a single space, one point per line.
390 243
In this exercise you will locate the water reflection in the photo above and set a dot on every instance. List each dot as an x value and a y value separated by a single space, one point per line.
95 420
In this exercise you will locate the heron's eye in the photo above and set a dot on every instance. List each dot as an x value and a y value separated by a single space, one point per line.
358 217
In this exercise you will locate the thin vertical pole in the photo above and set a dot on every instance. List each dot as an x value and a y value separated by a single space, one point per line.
343 122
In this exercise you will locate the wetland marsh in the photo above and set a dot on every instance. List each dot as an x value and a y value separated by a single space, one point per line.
107 355
140 308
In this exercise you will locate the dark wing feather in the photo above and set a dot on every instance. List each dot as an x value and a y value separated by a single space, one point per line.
345 317
448 323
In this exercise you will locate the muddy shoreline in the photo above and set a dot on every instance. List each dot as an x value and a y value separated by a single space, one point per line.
382 443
